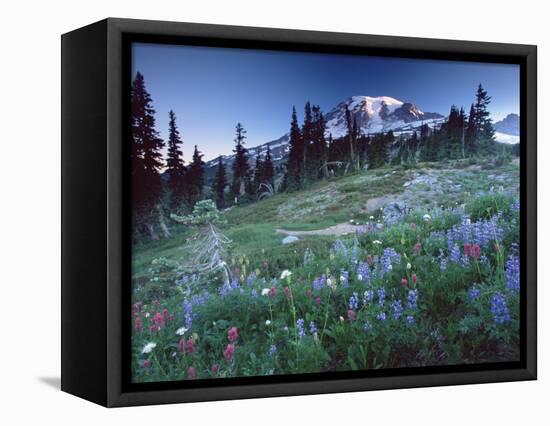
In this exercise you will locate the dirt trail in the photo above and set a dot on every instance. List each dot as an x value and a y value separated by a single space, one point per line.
340 229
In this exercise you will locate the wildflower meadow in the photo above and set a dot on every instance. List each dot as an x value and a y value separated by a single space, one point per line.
438 288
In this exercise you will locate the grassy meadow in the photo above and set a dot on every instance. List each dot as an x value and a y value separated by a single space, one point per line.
390 267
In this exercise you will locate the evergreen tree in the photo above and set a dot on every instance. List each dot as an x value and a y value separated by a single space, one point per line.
146 158
194 178
241 183
219 184
175 168
259 172
293 175
318 149
470 136
352 139
483 125
269 173
377 149
307 142
454 129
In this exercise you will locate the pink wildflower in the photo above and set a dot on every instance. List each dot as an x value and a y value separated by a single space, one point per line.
158 320
476 252
287 292
138 325
351 314
192 373
233 334
228 352
190 346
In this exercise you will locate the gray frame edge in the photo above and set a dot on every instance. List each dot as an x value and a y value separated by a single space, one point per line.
83 213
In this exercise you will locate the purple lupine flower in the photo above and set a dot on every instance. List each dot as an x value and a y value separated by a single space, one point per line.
381 296
187 307
354 301
344 278
272 350
397 309
473 293
367 326
455 254
412 299
363 273
499 309
319 282
381 316
250 279
368 295
300 327
312 327
389 257
409 319
511 271
340 250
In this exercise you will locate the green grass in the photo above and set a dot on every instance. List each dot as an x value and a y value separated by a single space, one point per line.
252 227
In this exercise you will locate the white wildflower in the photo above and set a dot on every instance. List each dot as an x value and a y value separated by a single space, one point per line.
409 266
267 322
286 273
148 347
265 292
377 242
427 218
181 331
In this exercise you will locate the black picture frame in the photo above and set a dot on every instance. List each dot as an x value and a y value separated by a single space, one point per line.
95 224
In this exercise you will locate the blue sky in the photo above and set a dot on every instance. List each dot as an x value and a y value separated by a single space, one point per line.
211 89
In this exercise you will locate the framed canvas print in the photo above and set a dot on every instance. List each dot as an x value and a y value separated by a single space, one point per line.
252 212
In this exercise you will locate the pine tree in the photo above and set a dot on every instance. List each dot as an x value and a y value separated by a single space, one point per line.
352 139
241 183
175 167
293 175
219 184
484 130
377 150
259 172
269 173
307 141
146 158
318 152
194 178
470 136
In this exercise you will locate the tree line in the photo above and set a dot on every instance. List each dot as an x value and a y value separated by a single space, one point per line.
160 187
172 184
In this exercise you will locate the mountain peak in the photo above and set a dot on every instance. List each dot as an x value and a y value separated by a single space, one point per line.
375 114
508 125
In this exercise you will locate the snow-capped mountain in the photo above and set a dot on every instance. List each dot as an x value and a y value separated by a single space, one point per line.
377 114
372 114
508 125
507 129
